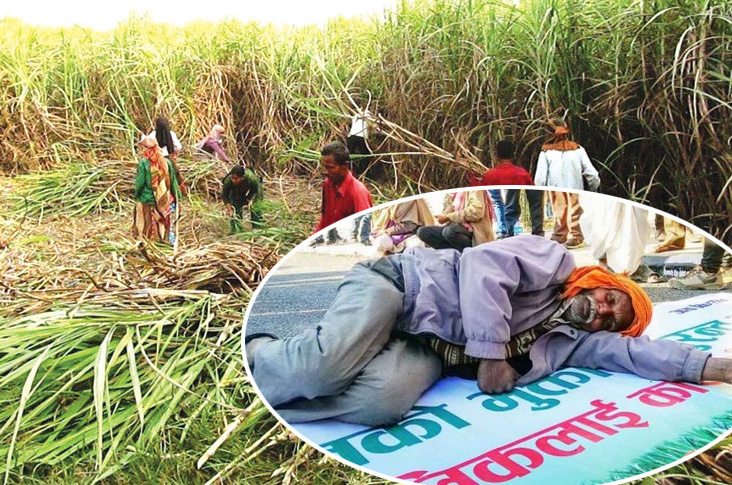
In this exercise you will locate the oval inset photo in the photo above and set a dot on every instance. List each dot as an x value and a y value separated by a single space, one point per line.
450 338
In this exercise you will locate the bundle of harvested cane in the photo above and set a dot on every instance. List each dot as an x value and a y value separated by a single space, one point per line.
219 267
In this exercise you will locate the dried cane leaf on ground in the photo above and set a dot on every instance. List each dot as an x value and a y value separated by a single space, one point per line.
136 345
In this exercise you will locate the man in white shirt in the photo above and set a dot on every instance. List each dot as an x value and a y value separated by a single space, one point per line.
564 163
356 143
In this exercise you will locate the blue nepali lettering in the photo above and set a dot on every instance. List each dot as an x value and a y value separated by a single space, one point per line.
697 306
700 335
415 429
559 383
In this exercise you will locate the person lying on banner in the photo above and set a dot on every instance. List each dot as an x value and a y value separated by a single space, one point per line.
506 313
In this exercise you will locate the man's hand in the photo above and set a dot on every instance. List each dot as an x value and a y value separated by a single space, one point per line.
495 376
718 369
442 218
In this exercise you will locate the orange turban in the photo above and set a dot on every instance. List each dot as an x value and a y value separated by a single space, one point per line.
590 277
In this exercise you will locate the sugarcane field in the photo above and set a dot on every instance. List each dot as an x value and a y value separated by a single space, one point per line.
152 174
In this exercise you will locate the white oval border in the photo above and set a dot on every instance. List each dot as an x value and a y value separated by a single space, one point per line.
263 283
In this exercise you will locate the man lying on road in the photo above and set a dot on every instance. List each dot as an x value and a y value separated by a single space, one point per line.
507 313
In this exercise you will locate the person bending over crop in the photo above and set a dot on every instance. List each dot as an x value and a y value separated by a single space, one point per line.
240 187
211 144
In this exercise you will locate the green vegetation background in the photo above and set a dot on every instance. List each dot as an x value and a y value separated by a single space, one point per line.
644 84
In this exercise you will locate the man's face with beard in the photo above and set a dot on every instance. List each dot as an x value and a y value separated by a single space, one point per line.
335 171
601 309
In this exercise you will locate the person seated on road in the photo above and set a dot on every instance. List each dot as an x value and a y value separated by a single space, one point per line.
397 223
674 236
240 187
467 222
211 144
511 311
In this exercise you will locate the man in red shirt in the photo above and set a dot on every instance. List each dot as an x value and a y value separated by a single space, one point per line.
506 173
343 195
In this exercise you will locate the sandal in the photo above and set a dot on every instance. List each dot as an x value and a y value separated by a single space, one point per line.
655 278
662 248
644 274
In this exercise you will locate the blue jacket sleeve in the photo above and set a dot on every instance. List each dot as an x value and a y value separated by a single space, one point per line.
490 274
663 360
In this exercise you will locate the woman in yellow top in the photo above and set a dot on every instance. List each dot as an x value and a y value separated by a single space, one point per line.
467 219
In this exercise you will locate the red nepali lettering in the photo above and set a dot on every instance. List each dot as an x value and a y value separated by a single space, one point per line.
504 459
666 394
519 458
451 476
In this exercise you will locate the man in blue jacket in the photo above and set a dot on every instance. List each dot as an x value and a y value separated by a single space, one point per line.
507 313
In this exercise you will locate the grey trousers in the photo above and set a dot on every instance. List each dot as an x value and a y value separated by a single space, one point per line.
351 367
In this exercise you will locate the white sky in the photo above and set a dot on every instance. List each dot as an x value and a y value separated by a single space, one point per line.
105 14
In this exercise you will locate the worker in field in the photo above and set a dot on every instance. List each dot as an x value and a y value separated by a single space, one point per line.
211 144
343 194
156 193
242 187
170 146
